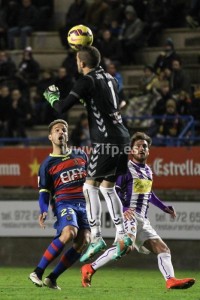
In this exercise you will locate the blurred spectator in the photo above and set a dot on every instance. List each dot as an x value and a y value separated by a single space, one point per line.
165 58
165 74
7 67
8 18
17 117
3 30
80 135
46 79
75 15
112 70
63 81
114 13
184 103
43 112
24 105
115 28
131 36
69 63
26 24
139 6
149 82
110 48
5 107
193 15
154 19
2 3
95 15
179 79
45 17
29 68
195 108
174 16
12 12
171 123
164 94
142 105
159 109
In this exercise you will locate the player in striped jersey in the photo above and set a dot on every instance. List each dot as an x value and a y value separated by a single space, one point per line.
135 191
61 177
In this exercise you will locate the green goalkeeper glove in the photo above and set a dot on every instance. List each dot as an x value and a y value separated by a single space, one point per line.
52 94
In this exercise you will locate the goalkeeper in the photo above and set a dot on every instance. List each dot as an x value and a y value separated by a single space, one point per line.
110 141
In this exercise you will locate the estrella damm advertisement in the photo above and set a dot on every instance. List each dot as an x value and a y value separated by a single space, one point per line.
173 167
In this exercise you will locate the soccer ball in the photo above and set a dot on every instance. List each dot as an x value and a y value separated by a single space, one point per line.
79 35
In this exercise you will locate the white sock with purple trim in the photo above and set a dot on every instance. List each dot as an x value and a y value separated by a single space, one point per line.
165 265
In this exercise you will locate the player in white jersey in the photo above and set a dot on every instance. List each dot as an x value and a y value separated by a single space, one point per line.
135 191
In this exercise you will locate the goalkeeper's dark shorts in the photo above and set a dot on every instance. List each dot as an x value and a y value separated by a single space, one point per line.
107 161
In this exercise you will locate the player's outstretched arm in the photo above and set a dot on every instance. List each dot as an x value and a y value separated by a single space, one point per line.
52 95
157 202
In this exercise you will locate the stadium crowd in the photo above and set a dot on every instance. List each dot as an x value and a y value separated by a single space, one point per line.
120 28
135 22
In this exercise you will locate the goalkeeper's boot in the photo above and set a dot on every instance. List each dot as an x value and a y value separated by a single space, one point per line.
122 246
36 279
93 249
87 272
51 283
174 283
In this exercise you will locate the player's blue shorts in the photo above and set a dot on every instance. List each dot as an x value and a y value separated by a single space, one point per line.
70 213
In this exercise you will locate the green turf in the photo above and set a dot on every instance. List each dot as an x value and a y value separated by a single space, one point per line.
108 284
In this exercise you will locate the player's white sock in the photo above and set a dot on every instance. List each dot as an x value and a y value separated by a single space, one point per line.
93 207
104 258
165 265
115 209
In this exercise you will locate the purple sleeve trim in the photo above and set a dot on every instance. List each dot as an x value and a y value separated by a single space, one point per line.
157 202
125 208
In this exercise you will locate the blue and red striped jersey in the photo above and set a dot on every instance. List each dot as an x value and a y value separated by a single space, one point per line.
63 175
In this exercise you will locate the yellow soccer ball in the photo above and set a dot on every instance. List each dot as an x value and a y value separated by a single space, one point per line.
78 36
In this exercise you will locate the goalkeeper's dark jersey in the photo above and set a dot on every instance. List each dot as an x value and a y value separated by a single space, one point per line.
98 90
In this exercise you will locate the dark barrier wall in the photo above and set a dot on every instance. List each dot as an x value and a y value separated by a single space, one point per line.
26 252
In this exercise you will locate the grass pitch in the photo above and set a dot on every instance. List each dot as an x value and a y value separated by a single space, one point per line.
107 284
